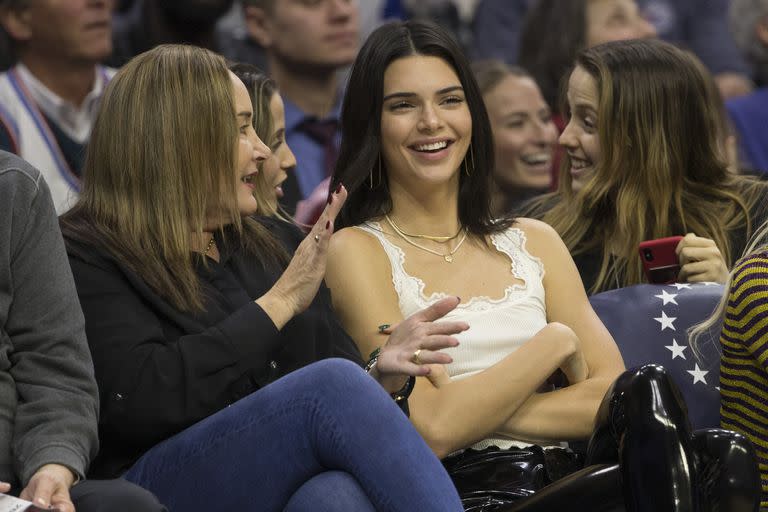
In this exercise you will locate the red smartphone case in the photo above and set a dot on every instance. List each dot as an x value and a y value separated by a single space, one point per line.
660 262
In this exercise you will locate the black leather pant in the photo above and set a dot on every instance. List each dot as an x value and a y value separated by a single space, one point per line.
644 457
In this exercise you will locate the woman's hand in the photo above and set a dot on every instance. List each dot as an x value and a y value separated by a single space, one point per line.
49 487
700 260
574 366
419 332
297 287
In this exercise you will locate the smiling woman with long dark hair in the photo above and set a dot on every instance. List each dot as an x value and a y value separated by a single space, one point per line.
417 156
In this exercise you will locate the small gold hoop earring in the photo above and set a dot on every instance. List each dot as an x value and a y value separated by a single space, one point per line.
471 161
371 184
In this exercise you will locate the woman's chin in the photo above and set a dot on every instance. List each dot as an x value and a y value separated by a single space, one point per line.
578 184
247 208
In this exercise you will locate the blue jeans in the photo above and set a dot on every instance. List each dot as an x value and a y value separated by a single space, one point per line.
330 491
261 451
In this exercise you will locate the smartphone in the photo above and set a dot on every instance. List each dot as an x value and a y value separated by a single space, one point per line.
660 262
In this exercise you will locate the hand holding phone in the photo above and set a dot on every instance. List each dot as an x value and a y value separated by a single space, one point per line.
660 262
701 260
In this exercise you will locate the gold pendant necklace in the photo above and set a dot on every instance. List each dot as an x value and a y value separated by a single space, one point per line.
438 239
448 257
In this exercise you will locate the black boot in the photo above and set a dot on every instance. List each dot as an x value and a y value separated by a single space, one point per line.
644 423
728 478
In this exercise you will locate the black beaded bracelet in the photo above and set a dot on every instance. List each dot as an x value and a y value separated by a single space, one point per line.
401 395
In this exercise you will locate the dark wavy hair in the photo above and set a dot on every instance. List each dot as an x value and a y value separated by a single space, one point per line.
550 58
360 154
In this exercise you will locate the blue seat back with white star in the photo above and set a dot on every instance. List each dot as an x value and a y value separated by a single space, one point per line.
650 323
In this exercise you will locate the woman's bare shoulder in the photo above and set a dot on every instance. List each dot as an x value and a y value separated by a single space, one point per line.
352 239
539 235
354 250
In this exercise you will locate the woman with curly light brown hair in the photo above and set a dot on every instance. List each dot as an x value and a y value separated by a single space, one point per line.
645 161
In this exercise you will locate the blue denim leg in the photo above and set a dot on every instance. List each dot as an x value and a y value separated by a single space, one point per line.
257 453
332 491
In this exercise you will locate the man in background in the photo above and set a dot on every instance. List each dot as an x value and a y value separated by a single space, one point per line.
306 45
49 98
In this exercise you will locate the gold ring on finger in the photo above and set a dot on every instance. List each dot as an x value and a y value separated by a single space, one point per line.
415 357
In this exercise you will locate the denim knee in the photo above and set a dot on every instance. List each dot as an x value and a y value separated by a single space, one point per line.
330 491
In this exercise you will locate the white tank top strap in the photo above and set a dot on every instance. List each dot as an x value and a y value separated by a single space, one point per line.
525 266
408 288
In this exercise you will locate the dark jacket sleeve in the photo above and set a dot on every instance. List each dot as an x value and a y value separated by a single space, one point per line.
51 368
327 325
153 383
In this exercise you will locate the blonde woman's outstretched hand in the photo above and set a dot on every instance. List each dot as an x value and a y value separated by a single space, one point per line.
700 260
414 345
297 287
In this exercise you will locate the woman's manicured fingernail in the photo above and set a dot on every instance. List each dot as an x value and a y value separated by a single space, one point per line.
383 327
328 225
338 188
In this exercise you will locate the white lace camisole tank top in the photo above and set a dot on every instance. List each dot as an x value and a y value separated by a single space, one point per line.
497 327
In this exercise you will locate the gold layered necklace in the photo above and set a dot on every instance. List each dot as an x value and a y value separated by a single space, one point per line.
210 245
448 257
438 239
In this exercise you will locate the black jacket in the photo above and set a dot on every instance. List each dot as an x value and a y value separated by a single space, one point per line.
161 370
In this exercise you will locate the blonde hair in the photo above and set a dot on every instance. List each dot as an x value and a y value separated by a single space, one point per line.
701 332
160 161
651 180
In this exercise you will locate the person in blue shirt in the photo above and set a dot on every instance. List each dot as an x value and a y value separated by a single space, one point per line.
306 44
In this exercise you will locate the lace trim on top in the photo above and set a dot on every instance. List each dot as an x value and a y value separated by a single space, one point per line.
524 266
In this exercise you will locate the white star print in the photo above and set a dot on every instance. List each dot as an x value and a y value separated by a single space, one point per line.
666 321
680 286
677 350
698 374
667 297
